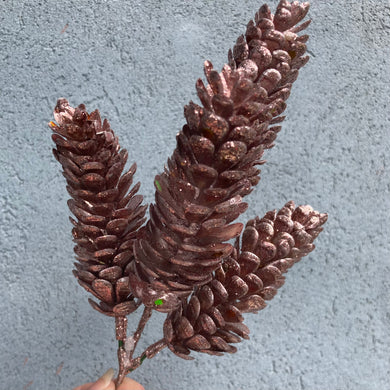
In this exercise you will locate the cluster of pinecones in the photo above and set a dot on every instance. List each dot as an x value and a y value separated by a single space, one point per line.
180 262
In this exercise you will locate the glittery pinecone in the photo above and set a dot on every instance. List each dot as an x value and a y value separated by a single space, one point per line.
214 165
180 262
108 214
212 318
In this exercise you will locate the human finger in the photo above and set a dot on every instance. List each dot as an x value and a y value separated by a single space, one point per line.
85 386
104 382
130 384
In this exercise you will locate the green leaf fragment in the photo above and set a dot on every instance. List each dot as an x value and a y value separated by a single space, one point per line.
143 357
120 343
158 185
158 302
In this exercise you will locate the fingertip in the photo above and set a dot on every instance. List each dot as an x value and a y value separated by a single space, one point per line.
85 386
130 384
104 382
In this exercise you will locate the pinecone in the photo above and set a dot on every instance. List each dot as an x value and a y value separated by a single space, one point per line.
214 165
108 214
212 319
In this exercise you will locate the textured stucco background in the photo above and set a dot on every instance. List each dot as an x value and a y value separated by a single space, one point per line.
137 61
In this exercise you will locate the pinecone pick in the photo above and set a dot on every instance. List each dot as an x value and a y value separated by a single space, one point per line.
180 262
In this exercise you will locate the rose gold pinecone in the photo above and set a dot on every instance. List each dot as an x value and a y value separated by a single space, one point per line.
212 319
214 165
108 216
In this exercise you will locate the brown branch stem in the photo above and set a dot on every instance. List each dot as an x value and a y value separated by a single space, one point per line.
149 353
127 345
121 336
141 325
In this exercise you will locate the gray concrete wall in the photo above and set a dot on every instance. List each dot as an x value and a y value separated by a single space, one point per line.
137 61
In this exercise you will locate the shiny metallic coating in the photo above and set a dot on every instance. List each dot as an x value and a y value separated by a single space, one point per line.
93 164
219 147
180 263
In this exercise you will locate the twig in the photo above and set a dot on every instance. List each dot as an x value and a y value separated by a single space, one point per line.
141 325
121 333
149 352
126 346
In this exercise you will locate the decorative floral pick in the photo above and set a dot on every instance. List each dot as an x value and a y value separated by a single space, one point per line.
181 262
